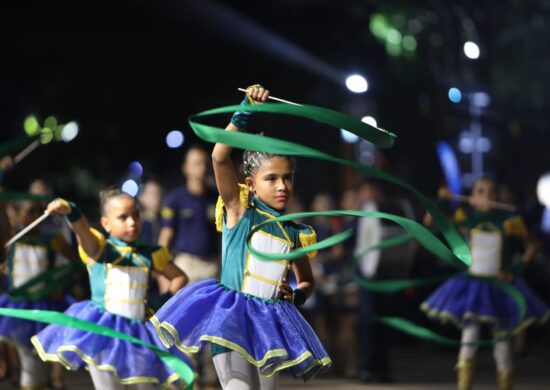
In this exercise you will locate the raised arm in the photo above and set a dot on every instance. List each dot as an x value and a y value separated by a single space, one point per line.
224 170
79 225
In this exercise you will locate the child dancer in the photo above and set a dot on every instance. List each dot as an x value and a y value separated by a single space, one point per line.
119 271
470 301
28 258
250 316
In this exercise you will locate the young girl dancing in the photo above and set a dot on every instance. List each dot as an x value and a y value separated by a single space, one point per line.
119 268
28 259
250 316
469 300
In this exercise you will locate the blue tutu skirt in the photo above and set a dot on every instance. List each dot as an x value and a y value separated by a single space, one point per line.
129 363
463 299
270 334
18 331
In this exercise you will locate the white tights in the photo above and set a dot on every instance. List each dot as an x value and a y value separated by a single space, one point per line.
501 350
34 372
235 373
104 380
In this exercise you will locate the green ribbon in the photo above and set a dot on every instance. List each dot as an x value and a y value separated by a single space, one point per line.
15 145
424 333
52 279
380 138
53 317
457 254
426 238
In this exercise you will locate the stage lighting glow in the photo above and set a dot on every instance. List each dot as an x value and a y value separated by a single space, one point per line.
543 189
46 135
455 95
50 122
471 50
136 169
130 187
394 37
369 120
174 139
31 125
450 166
348 137
481 99
69 132
357 83
545 223
409 43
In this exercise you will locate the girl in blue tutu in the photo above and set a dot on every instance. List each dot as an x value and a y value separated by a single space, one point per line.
469 300
250 315
119 268
28 259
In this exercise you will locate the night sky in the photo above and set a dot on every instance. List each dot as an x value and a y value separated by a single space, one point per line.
130 71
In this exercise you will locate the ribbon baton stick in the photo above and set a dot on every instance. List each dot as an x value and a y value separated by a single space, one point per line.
25 152
274 98
26 230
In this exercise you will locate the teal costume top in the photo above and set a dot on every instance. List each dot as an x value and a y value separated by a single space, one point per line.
489 237
235 257
119 279
241 271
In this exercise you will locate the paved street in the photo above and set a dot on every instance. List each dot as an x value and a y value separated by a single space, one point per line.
415 369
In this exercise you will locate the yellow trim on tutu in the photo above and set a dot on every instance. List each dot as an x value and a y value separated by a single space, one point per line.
160 327
446 316
59 358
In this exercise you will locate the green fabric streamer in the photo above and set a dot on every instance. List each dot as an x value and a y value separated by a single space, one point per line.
457 252
52 279
459 249
53 317
424 333
15 145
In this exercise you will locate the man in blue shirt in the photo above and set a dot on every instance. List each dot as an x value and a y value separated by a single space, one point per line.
188 220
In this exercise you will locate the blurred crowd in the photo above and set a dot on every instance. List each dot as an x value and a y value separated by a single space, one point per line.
341 311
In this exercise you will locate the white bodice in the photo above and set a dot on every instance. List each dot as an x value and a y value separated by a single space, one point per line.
29 261
262 278
486 249
125 290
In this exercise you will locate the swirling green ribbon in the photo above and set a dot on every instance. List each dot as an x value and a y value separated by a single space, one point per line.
53 279
457 253
381 138
53 317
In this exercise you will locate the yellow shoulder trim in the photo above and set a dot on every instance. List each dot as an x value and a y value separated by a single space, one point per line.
307 239
516 227
161 257
243 197
85 256
460 215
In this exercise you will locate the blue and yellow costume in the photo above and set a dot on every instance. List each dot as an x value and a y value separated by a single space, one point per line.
242 312
119 283
469 297
27 259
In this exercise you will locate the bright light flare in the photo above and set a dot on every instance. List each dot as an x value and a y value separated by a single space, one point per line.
174 139
471 50
543 189
357 83
69 132
130 187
